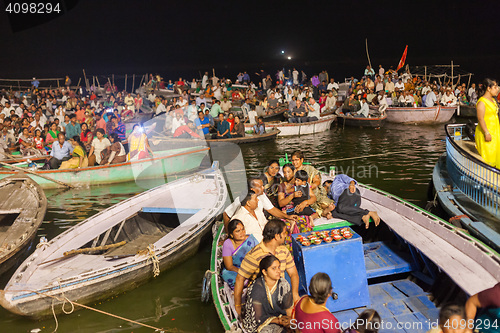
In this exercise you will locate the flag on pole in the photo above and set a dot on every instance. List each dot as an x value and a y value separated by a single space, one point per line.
403 59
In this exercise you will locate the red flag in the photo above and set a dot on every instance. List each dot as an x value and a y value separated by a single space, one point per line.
403 59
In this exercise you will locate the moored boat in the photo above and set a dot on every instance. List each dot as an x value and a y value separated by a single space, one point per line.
362 121
288 129
163 163
22 208
421 115
413 262
467 188
468 111
118 248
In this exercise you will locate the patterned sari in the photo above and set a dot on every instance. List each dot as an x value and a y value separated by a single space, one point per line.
264 304
238 255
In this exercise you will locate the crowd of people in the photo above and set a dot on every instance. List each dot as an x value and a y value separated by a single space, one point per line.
71 128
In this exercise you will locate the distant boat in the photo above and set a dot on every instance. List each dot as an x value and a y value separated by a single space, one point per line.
402 273
467 188
422 115
163 163
468 111
362 121
119 248
312 127
22 208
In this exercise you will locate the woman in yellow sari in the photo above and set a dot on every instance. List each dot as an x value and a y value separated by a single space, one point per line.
488 130
78 157
138 144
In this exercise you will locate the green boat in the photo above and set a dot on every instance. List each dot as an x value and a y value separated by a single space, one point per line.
163 164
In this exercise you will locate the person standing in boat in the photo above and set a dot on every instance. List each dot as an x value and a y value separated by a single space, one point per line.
488 131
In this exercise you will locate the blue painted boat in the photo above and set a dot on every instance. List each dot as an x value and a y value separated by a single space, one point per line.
404 269
467 188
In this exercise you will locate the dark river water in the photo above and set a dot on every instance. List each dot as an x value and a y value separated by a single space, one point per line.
399 159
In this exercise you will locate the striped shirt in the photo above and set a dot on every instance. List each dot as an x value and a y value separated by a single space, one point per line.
250 266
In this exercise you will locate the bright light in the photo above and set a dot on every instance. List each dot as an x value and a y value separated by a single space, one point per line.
289 58
282 52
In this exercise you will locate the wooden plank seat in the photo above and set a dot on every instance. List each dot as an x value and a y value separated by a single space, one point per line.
381 260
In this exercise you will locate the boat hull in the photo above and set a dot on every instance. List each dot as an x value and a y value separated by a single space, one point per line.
362 122
163 164
289 129
428 116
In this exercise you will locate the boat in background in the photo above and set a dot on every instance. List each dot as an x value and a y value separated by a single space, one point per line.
467 187
421 115
22 208
163 164
288 129
468 111
351 121
119 248
413 262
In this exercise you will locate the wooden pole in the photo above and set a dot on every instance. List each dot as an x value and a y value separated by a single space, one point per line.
452 74
98 84
58 84
78 85
36 174
113 75
142 78
18 85
133 82
125 82
425 73
367 54
85 78
468 83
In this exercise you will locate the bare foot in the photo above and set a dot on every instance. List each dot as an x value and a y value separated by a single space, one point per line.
366 219
375 218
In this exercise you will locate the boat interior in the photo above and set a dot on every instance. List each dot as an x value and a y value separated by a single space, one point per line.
469 147
403 285
139 231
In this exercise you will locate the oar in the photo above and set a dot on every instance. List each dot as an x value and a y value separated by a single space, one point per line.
71 253
36 174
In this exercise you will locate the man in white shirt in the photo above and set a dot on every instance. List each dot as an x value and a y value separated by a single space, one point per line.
313 110
448 98
161 107
389 86
472 90
182 102
37 123
332 85
257 185
381 70
226 105
204 82
129 101
400 85
364 111
252 217
152 97
7 109
295 75
178 121
330 103
430 99
201 99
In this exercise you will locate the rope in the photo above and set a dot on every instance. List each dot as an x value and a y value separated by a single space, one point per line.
197 178
93 309
43 242
150 252
205 288
457 217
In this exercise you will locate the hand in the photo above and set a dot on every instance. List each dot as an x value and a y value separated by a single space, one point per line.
292 218
487 137
300 207
297 194
238 310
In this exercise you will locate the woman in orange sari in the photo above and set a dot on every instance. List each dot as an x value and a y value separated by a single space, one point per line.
138 144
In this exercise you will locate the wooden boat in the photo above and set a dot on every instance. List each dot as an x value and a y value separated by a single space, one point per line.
22 208
409 115
467 188
159 228
416 262
468 111
279 115
362 121
288 129
163 163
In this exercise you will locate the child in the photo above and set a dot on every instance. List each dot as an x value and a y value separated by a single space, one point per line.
260 128
303 196
38 141
451 320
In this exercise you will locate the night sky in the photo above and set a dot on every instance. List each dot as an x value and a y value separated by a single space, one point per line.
183 38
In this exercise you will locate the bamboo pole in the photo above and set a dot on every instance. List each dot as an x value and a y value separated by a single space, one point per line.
133 82
98 84
125 82
452 74
18 85
367 54
142 78
36 174
113 75
85 78
425 73
468 83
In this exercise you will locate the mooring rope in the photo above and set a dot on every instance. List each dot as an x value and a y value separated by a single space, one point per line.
150 252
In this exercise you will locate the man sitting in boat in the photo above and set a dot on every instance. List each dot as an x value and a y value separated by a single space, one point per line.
202 123
344 192
186 131
251 215
223 128
61 151
448 98
274 235
299 113
364 111
272 104
177 121
260 127
430 98
313 110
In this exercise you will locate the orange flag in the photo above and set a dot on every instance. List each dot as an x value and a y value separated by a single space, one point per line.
403 59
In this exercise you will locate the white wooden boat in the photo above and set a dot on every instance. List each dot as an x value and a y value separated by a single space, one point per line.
160 227
416 262
22 208
288 129
423 115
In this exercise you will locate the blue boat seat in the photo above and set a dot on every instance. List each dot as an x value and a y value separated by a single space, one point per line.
381 260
